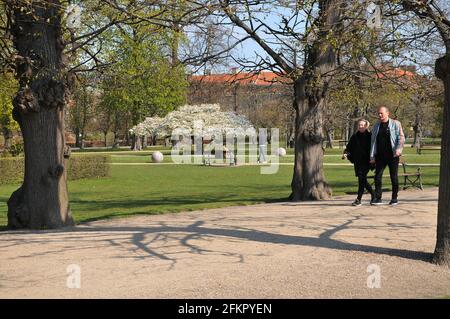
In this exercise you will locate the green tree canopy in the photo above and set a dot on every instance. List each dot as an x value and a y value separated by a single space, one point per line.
8 88
143 81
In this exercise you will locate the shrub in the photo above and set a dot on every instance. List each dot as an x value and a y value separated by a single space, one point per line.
79 166
16 147
88 166
11 170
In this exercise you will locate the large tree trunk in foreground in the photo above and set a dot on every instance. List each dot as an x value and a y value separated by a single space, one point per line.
308 181
442 250
42 200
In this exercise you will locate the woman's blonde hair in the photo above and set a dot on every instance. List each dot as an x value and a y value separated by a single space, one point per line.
365 121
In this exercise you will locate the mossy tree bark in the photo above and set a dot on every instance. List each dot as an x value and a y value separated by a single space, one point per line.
42 200
310 92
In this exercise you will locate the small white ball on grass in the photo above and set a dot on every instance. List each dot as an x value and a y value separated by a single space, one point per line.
157 157
281 152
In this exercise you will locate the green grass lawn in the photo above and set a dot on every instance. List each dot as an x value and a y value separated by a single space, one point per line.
155 189
331 156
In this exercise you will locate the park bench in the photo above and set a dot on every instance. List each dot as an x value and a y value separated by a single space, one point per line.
422 148
207 158
410 179
342 143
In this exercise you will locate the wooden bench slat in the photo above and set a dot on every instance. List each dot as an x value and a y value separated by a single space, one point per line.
414 183
422 148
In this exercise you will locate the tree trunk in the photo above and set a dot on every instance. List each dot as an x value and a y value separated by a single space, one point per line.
137 143
329 136
116 139
415 141
308 182
7 135
144 142
442 250
127 136
42 200
354 121
346 133
417 129
78 142
310 92
105 138
417 136
176 33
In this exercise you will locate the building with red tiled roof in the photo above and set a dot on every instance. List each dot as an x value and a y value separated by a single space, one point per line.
243 78
265 98
240 91
396 73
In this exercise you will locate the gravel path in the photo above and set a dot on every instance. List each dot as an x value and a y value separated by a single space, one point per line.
322 249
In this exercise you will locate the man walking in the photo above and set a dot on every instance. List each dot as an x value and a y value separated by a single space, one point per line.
385 150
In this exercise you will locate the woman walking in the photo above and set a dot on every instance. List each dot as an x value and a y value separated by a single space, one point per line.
357 151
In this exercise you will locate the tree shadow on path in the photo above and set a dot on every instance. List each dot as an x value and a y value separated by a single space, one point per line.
197 230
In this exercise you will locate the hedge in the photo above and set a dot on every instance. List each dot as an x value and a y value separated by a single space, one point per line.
88 166
79 166
11 170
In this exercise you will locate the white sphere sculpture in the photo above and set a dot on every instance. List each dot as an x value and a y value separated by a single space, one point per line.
157 157
281 152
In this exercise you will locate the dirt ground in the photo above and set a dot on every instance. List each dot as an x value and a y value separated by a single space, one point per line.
325 249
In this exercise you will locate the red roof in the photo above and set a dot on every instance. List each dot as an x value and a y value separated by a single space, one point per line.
261 78
270 78
396 73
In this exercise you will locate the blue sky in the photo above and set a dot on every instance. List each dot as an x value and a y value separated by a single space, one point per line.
250 49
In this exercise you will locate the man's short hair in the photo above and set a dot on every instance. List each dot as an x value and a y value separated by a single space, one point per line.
383 106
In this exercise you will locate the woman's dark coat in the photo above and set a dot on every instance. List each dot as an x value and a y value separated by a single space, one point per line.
358 151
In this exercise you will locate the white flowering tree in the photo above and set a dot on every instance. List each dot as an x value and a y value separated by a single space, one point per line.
148 127
205 119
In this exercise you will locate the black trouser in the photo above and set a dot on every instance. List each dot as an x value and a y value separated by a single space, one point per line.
361 172
381 164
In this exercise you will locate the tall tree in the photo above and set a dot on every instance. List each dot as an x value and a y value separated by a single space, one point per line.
434 12
81 109
322 25
42 200
45 59
144 82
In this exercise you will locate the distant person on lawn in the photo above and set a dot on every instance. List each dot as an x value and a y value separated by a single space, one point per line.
357 151
385 150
